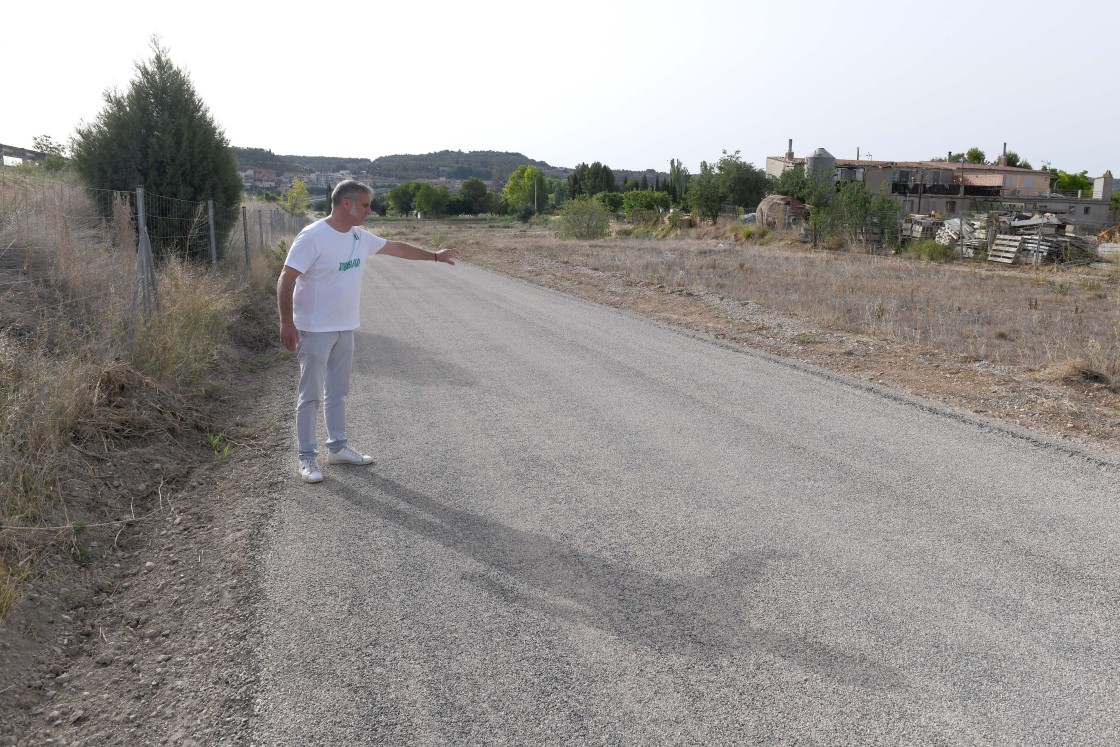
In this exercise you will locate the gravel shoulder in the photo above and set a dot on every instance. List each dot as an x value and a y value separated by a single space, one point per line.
148 641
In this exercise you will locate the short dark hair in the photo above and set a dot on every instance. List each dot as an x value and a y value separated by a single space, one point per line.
349 188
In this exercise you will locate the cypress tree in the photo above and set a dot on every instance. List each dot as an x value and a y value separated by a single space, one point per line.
159 134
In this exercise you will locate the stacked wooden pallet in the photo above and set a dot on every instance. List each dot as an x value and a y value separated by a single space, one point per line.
920 227
950 232
1005 248
1033 238
975 236
1059 248
1040 248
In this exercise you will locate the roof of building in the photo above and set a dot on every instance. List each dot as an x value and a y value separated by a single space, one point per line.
982 180
771 200
947 165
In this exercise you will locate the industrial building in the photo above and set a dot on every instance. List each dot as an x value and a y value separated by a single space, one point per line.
947 188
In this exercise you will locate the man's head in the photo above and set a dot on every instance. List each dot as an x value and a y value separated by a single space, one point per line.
350 202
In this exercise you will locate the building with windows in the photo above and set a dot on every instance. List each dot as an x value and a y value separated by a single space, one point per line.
950 188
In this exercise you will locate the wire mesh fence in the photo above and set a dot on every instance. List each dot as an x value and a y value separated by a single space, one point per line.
260 228
99 247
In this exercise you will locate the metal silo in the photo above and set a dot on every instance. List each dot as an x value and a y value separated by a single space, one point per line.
821 166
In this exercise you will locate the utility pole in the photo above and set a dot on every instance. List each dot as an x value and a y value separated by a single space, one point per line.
921 186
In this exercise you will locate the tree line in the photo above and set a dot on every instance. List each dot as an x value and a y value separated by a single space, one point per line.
727 185
724 186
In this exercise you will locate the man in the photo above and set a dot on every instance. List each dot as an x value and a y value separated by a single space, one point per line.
318 295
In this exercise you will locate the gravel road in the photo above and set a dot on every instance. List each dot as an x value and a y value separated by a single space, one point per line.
587 528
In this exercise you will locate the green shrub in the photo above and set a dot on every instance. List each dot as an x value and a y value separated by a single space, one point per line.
524 213
929 251
583 219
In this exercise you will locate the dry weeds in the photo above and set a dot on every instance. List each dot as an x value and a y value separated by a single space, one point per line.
1026 319
79 379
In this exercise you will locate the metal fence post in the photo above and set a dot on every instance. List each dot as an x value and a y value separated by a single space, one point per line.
144 284
245 230
213 236
141 214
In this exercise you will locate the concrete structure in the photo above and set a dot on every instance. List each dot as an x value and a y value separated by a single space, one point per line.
949 188
776 211
23 154
1102 187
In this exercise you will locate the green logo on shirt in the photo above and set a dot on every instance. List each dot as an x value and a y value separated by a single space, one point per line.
344 266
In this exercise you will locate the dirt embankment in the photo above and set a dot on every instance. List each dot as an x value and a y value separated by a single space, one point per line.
133 631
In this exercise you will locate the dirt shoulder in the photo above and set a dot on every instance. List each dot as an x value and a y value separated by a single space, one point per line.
140 639
146 642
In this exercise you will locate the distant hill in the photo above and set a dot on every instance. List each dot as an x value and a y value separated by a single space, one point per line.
259 158
487 165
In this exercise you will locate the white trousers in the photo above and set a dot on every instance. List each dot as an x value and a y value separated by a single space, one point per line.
324 359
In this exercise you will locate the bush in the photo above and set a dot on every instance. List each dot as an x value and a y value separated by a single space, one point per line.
611 201
583 218
524 212
750 232
639 204
929 251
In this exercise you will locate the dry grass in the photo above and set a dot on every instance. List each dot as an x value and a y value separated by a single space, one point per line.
78 369
182 342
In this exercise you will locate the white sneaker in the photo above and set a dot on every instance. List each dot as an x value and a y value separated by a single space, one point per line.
309 470
346 455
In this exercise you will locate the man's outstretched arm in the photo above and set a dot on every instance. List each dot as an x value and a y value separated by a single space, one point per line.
408 251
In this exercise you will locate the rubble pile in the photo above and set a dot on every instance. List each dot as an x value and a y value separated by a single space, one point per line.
920 227
977 237
1043 237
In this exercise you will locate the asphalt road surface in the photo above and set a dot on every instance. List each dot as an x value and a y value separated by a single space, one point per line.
586 528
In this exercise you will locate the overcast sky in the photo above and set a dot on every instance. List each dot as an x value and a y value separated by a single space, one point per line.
630 84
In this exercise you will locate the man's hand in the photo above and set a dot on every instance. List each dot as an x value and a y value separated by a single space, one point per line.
285 289
289 335
447 255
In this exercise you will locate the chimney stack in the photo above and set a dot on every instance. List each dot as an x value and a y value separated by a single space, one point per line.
1102 187
789 153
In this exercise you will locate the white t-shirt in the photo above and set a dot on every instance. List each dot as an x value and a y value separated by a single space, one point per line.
329 290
